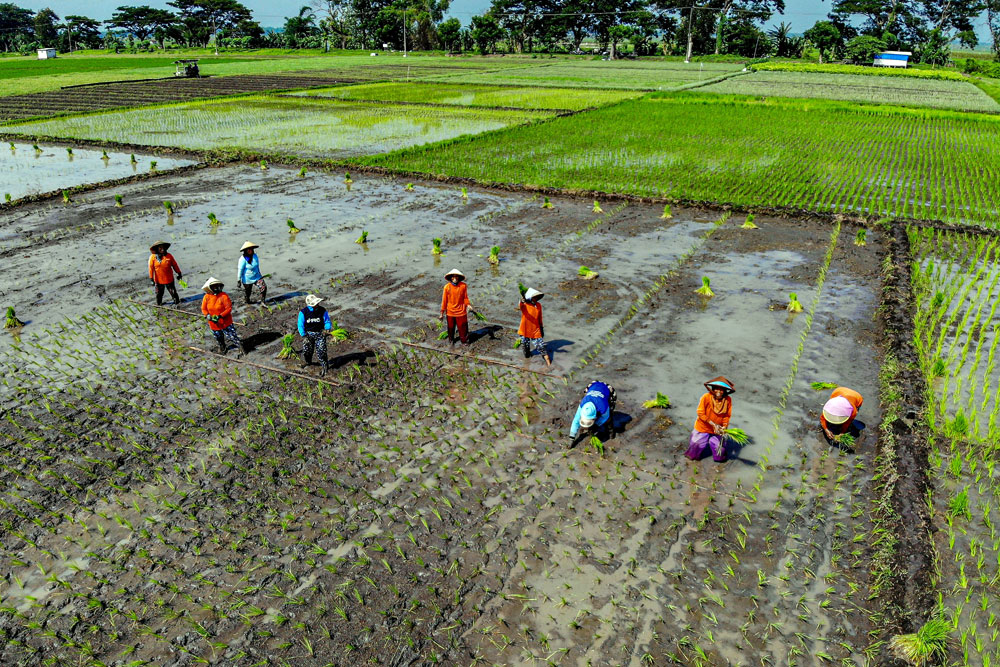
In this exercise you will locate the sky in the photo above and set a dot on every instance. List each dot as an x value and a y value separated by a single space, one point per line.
271 13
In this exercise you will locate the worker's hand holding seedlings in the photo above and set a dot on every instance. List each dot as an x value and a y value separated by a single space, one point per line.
714 411
455 305
595 412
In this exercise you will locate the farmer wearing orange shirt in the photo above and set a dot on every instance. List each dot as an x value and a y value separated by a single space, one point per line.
532 329
217 307
455 306
839 413
714 411
162 267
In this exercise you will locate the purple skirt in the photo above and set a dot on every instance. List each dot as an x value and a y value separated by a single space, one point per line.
701 441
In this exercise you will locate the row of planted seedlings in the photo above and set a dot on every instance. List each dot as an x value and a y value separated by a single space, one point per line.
178 587
954 280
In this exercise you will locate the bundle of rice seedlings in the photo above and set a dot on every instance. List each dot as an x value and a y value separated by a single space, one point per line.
596 443
263 165
132 159
12 321
820 386
494 257
7 197
347 177
666 213
212 220
705 290
169 205
522 288
861 238
436 250
409 187
479 316
737 435
152 165
363 239
597 207
66 198
39 150
182 283
748 223
118 201
302 172
286 347
465 193
104 155
292 229
661 401
793 303
926 645
442 335
586 273
338 333
547 203
846 440
69 152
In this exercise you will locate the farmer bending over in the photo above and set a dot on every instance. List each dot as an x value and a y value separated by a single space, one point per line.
248 273
532 329
162 267
314 322
839 413
714 410
217 307
595 412
456 306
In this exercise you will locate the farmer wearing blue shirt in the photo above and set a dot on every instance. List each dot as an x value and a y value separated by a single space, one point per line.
595 412
314 322
248 273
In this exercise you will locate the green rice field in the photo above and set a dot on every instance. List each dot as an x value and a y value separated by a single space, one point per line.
901 91
818 155
461 94
285 125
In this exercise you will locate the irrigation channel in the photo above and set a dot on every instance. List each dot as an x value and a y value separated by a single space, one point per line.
169 505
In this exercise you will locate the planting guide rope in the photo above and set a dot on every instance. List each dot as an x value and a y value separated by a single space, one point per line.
177 311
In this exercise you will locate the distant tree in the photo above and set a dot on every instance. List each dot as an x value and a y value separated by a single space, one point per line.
16 24
825 36
204 18
993 23
486 32
744 38
450 34
781 38
862 49
82 32
46 28
336 21
300 26
141 21
745 12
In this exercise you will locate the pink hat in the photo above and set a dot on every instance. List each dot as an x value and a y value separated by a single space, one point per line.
838 410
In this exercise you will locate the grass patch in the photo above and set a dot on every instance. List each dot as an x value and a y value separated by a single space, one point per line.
943 74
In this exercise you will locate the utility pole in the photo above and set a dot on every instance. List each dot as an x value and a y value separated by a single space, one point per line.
404 32
687 58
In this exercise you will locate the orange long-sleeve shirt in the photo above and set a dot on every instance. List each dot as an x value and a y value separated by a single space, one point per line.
162 271
218 304
855 399
531 320
706 412
455 299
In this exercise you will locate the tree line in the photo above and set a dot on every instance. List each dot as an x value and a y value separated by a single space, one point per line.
853 30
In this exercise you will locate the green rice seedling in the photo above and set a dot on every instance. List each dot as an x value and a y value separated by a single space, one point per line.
302 172
465 194
667 214
7 198
957 427
820 386
119 201
66 198
363 239
443 335
861 238
705 289
69 152
338 333
132 159
938 368
748 223
737 435
409 187
547 203
347 177
597 207
263 165
586 273
212 220
286 347
436 250
152 165
494 257
37 148
292 229
169 205
793 303
598 446
12 321
959 505
661 401
517 343
104 155
928 644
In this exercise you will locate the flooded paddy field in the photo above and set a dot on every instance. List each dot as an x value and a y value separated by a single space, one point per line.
420 503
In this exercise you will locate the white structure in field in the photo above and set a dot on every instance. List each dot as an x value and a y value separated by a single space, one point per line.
46 54
892 59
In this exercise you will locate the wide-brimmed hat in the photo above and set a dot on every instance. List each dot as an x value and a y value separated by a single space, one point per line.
312 300
838 410
156 245
588 415
532 293
207 287
454 272
721 383
248 246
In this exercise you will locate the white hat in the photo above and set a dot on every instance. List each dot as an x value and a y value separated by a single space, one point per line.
531 293
588 415
312 300
207 287
248 245
454 272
